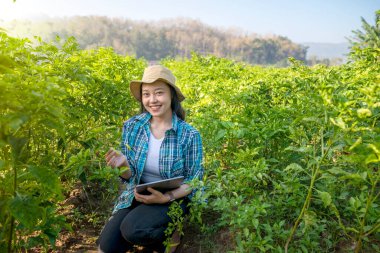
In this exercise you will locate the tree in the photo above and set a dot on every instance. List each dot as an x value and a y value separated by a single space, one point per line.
369 36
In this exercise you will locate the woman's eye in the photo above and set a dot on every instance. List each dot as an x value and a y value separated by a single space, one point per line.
145 94
159 93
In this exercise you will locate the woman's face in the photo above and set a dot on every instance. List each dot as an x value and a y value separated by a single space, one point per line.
156 99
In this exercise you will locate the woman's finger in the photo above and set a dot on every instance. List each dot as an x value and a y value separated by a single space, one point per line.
120 161
141 199
111 162
153 191
109 151
110 155
137 196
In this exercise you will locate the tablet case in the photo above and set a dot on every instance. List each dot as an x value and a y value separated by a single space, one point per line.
165 184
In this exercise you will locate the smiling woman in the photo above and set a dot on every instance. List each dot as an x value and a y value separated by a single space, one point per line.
156 99
156 144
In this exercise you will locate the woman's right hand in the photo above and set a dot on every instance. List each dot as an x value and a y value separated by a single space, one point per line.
115 159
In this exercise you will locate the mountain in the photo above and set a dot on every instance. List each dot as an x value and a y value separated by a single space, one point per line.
177 38
166 38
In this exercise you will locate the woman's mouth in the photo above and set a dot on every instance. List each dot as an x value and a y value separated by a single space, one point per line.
155 107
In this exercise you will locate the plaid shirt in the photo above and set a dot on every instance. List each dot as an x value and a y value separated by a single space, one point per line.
180 153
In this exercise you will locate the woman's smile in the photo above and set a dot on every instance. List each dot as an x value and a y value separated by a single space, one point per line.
156 98
155 107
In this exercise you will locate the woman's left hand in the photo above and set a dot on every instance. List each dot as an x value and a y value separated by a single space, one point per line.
156 197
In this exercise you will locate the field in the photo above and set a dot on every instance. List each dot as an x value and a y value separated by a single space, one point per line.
291 154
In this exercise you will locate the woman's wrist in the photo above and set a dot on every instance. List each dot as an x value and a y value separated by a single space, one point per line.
169 196
124 169
125 163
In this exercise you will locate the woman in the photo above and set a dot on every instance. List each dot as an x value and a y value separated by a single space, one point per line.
156 144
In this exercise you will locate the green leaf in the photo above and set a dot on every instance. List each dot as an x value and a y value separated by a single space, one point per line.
246 232
221 133
337 171
123 169
299 149
26 210
354 177
357 143
310 219
294 167
17 144
355 202
364 113
255 223
311 119
325 197
375 149
338 122
6 64
304 249
46 177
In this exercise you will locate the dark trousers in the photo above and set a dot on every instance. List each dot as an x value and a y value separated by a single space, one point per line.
139 224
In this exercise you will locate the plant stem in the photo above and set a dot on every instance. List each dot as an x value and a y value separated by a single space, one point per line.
12 219
361 233
376 227
305 205
308 197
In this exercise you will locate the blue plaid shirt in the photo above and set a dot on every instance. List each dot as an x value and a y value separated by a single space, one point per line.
180 153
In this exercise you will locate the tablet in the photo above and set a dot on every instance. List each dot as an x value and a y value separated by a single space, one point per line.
165 184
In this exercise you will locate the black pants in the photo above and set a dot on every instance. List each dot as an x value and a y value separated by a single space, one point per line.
138 224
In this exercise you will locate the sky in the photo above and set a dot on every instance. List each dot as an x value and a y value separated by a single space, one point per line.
322 21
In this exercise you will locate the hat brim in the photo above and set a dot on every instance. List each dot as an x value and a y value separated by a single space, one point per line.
135 87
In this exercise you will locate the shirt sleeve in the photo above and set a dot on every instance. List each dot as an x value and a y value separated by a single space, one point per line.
123 145
124 149
193 158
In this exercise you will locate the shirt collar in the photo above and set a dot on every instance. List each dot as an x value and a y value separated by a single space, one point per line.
146 116
174 122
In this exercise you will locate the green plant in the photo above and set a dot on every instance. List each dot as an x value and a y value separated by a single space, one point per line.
176 225
291 154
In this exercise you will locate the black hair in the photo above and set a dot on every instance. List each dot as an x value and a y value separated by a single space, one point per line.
175 103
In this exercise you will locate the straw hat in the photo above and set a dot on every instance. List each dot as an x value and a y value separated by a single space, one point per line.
152 74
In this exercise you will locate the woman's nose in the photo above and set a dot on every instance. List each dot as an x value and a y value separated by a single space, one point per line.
153 98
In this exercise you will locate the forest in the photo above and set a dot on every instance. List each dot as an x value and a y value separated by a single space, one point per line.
167 38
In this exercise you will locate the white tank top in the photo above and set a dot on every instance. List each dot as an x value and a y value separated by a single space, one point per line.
151 171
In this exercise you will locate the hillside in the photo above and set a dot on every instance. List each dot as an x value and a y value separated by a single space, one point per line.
167 38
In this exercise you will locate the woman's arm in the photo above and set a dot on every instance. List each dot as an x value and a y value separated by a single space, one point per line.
193 168
178 193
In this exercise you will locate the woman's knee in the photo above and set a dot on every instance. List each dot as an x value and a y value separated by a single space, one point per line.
139 233
128 229
107 248
112 246
110 239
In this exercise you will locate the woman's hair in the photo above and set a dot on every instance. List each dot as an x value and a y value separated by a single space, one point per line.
175 105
